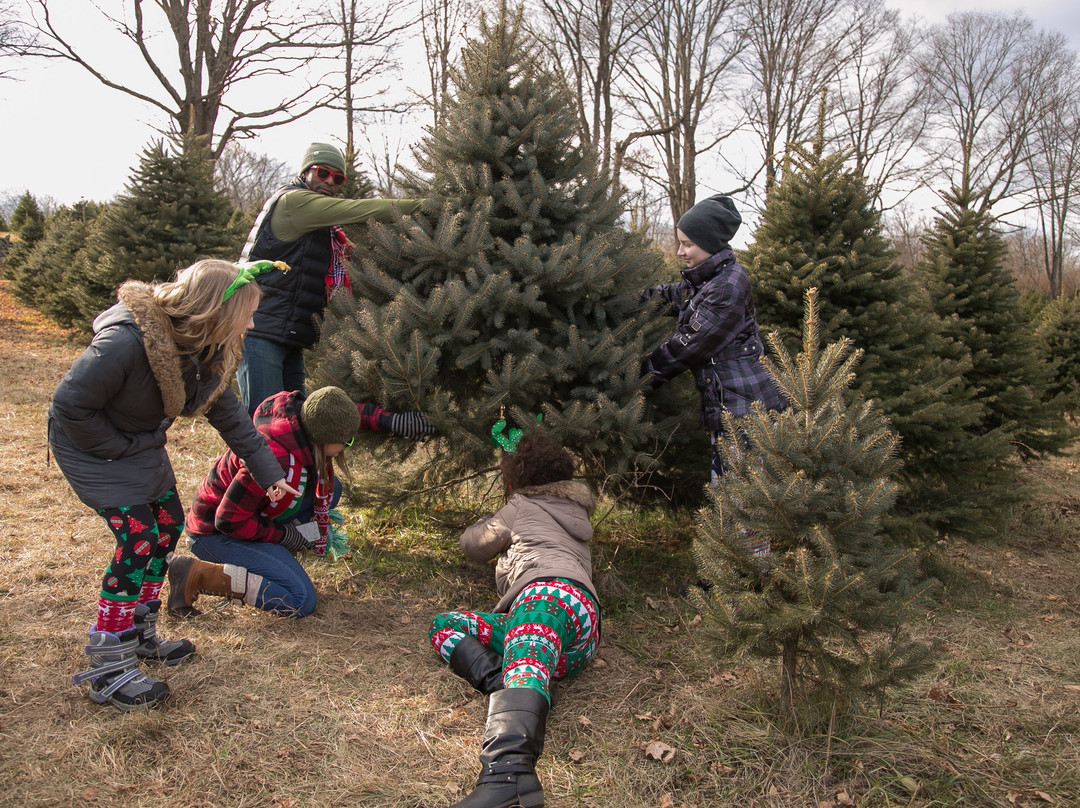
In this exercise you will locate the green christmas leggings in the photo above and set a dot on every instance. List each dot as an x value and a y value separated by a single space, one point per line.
551 631
145 535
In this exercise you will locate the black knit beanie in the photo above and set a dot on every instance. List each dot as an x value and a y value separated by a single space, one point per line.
711 223
329 416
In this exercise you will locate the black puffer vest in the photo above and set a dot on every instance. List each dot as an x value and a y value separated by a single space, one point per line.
290 299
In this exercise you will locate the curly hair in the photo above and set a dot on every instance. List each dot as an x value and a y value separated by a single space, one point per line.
538 460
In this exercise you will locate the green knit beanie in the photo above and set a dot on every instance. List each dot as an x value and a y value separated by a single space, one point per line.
329 416
323 154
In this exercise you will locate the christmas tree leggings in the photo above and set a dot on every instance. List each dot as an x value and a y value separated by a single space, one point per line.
145 535
551 631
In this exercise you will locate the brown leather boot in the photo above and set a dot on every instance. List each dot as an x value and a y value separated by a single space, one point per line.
189 577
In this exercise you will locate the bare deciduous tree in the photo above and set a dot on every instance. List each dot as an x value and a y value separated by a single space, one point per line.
369 34
675 81
248 178
796 49
591 42
443 25
204 55
882 108
986 85
1053 154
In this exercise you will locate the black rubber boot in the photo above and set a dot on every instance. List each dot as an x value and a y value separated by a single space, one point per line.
513 740
482 668
477 664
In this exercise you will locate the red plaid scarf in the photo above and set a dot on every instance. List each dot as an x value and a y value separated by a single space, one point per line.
341 253
324 490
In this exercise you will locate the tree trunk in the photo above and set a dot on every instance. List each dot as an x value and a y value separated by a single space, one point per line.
788 660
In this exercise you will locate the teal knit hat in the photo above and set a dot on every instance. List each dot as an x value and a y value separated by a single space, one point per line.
323 154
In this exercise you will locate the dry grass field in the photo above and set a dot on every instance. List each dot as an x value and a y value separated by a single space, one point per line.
350 707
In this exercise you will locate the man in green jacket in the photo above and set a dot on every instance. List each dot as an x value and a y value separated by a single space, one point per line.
301 225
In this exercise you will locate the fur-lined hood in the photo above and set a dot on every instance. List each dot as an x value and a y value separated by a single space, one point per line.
573 490
161 350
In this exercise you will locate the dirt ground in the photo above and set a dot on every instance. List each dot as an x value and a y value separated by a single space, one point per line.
350 707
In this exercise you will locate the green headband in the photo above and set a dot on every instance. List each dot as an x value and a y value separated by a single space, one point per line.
248 272
509 441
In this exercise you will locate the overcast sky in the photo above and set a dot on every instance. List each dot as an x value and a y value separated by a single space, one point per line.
66 136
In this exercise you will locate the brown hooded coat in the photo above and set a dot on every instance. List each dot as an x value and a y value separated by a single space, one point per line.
542 532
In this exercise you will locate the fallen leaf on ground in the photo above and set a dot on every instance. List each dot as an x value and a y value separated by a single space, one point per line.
657 750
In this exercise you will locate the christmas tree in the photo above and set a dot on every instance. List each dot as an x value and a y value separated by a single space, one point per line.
964 271
28 223
510 295
169 216
1058 336
821 229
43 280
829 597
26 210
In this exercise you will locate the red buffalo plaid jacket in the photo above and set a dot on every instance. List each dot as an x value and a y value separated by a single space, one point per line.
231 503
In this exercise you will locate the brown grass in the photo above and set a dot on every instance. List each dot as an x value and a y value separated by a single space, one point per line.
350 707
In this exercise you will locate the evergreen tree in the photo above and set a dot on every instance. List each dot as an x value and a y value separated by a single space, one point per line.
169 216
43 280
1058 339
358 185
964 271
501 299
26 211
820 228
830 597
28 223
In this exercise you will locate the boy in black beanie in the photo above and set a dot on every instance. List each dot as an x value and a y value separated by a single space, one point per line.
717 333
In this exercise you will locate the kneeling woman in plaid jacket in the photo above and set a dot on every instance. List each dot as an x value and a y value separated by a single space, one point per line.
545 626
245 543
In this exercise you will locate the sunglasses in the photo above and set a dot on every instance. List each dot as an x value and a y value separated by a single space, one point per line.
322 172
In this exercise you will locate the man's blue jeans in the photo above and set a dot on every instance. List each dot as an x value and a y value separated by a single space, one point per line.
267 368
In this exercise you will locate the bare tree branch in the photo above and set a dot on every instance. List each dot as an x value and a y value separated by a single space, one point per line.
1052 152
591 44
443 25
796 49
882 103
221 49
676 81
986 87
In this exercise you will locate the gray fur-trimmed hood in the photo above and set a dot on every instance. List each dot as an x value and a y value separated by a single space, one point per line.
573 490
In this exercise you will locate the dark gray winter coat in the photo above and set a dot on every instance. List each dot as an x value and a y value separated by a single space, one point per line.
717 340
110 412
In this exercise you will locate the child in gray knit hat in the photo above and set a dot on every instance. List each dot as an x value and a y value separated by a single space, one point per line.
716 336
